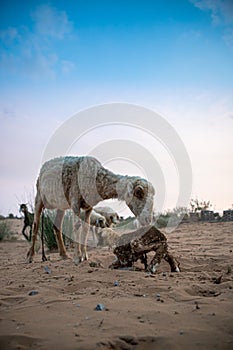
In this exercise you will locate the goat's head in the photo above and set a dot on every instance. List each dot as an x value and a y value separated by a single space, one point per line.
140 198
101 222
114 218
23 208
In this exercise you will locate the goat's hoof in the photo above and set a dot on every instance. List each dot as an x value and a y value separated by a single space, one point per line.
152 268
77 260
44 258
29 259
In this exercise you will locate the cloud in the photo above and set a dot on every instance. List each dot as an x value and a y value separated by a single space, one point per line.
221 13
33 53
51 22
221 10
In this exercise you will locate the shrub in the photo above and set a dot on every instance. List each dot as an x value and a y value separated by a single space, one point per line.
4 230
49 236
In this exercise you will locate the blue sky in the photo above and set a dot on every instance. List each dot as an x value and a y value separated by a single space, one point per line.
175 57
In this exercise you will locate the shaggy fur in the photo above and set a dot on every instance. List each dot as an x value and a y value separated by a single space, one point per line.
80 183
135 245
107 238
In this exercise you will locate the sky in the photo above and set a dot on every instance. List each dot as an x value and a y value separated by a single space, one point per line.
58 58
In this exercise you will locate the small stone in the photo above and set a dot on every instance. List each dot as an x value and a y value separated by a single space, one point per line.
218 280
100 307
164 274
47 269
181 332
33 292
116 284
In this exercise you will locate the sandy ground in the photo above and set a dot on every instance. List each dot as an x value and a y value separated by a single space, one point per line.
189 310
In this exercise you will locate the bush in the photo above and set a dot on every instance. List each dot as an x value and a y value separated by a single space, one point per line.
49 236
4 231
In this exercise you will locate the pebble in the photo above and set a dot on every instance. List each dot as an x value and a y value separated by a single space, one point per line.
33 292
116 284
181 332
100 307
47 269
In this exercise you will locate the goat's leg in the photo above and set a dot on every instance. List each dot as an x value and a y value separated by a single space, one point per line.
38 209
23 232
85 230
77 226
30 236
144 260
57 226
42 238
174 264
81 229
159 255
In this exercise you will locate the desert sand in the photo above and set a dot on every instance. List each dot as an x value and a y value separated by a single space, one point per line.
192 309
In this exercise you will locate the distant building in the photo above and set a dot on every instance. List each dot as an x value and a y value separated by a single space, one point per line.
227 215
207 215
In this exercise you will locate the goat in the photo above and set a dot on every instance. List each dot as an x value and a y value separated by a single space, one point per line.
97 222
81 183
28 221
111 216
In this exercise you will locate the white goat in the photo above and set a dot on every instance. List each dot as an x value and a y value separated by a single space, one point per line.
97 222
80 183
110 215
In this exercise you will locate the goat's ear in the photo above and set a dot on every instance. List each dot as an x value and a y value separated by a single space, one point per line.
139 192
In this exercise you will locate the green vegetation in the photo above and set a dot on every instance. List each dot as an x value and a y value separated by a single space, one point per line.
4 230
49 236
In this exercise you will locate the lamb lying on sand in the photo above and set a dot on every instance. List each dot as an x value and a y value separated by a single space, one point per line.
135 245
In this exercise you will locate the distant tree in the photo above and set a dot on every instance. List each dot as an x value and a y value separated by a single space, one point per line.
197 206
11 216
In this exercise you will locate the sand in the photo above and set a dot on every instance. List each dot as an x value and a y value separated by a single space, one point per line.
192 309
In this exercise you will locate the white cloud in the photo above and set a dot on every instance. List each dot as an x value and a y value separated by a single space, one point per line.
221 13
221 10
51 22
32 53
